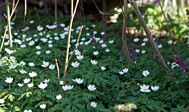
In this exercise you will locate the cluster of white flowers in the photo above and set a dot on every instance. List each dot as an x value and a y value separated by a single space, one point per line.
125 70
146 88
67 87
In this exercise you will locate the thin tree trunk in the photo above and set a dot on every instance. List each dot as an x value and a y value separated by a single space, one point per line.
161 59
124 27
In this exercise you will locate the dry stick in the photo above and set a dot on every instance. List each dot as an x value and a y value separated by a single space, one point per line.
2 43
8 21
161 59
124 27
77 43
55 11
68 42
13 10
58 70
25 12
102 13
13 3
166 20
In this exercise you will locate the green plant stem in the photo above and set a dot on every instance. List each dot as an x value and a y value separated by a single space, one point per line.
32 79
10 86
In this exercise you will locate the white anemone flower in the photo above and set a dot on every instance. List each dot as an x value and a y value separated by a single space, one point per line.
80 57
31 43
154 88
48 52
144 88
38 52
103 68
160 46
95 53
103 45
22 63
111 41
26 80
78 80
67 87
38 47
136 40
143 51
45 64
30 85
107 50
20 84
75 64
46 80
93 104
125 70
94 62
143 44
9 80
43 106
145 73
31 64
42 85
121 72
91 87
61 82
58 97
52 67
2 101
32 74
170 42
27 110
137 50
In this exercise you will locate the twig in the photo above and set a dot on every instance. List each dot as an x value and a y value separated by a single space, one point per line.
8 21
68 41
77 43
55 11
124 27
25 11
2 43
13 3
13 10
102 13
58 70
161 59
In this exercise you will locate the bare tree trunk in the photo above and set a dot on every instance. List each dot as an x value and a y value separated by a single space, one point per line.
124 27
161 59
